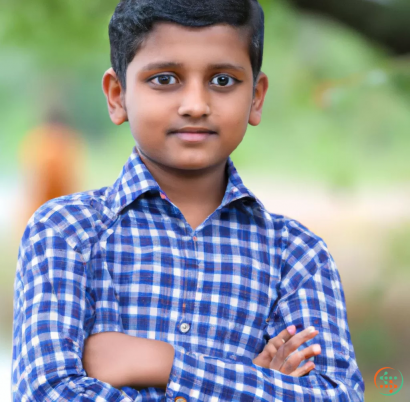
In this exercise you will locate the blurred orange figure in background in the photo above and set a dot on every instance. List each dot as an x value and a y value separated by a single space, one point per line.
52 161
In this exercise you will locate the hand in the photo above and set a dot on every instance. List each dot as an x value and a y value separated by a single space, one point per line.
278 352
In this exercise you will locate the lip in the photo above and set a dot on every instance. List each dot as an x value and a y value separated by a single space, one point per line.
192 129
193 136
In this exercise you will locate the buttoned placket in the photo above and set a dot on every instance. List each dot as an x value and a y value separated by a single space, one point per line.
190 271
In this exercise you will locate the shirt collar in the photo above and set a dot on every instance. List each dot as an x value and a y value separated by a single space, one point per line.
135 179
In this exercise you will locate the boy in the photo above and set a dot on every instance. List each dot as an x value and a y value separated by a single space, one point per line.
175 283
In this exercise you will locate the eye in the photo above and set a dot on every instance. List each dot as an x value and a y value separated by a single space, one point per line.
166 80
223 80
163 80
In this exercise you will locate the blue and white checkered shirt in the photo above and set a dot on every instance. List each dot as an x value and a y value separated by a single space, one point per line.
123 258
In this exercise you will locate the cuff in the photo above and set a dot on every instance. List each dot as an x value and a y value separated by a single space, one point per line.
187 377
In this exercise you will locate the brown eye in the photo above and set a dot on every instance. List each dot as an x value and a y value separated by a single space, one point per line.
223 80
163 80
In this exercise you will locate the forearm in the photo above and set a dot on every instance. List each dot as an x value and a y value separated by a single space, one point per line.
123 360
68 389
224 379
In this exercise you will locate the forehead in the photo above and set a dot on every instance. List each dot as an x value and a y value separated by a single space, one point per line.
172 41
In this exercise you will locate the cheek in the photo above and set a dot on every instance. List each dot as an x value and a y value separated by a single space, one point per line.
234 115
147 114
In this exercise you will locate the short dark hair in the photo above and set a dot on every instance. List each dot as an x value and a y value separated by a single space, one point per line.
133 20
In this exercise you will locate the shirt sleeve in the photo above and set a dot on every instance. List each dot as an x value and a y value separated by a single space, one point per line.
50 305
310 294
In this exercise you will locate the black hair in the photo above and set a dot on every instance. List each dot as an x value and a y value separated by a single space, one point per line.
133 20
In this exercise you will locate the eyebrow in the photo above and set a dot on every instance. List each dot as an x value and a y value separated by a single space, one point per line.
166 65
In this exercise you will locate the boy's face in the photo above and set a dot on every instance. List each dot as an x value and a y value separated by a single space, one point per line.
193 92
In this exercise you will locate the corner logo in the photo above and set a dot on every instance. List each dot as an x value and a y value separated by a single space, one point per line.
389 381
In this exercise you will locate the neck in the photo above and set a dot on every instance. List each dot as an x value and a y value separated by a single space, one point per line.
202 189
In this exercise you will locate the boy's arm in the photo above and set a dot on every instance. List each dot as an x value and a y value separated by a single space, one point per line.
128 361
123 360
336 376
311 295
50 304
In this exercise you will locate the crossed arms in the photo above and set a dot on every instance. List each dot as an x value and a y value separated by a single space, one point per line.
55 359
122 360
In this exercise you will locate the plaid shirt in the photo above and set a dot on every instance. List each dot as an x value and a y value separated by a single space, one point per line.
123 258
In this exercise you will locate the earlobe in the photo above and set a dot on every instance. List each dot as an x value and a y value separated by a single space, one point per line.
115 99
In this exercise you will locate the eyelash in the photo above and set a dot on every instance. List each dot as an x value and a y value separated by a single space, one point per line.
170 75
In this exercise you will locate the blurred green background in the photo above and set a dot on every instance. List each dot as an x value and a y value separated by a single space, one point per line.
332 149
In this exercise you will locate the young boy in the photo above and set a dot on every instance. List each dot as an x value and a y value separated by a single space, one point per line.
175 283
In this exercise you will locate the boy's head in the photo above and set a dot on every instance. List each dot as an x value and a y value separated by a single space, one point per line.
191 44
134 19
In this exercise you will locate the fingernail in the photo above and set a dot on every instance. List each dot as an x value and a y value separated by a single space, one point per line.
309 365
316 348
291 329
310 329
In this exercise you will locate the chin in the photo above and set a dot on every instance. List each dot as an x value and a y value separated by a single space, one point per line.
190 164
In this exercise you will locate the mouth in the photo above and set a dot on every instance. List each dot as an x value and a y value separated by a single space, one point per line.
193 134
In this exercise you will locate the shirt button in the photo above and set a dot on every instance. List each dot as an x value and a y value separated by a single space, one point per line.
195 238
163 196
180 399
184 327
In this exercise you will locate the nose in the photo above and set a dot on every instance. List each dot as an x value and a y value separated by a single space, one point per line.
195 101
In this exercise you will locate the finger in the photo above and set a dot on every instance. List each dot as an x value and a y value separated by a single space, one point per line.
268 352
265 357
283 336
296 341
294 360
305 369
311 351
291 346
271 349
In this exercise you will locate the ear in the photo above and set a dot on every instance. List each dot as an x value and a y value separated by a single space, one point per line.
261 88
115 97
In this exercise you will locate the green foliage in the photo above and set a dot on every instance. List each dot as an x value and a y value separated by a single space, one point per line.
372 342
336 106
397 265
336 109
59 33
